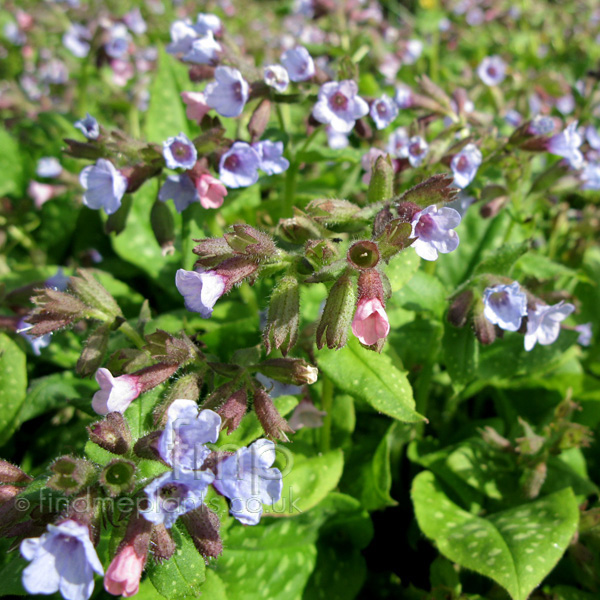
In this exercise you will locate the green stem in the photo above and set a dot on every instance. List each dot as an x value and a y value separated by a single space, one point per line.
132 334
290 189
326 405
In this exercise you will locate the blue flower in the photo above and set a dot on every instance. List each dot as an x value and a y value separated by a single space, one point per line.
239 166
207 23
48 166
204 50
174 494
566 144
200 290
543 323
104 185
36 343
59 281
271 157
179 152
505 306
339 105
416 150
76 40
383 111
183 35
246 479
118 41
434 230
180 189
464 165
492 70
88 126
63 559
182 443
229 93
298 63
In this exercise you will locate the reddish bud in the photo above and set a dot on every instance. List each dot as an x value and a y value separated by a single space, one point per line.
273 424
233 410
203 526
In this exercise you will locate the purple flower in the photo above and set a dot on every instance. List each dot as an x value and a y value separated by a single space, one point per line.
397 143
48 166
179 188
134 20
183 35
566 144
434 230
339 106
271 157
88 126
492 70
104 185
543 323
383 111
540 125
182 443
403 97
204 51
298 63
54 72
115 393
174 494
585 334
505 306
63 559
118 41
277 77
239 166
565 104
229 93
76 40
248 482
59 281
592 137
513 117
464 165
207 23
415 150
412 52
200 290
36 343
590 176
179 152
335 139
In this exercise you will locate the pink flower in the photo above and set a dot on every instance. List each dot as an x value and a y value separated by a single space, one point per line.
115 393
370 323
40 193
210 190
306 414
196 106
123 575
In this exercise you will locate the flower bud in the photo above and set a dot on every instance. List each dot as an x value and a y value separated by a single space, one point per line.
363 255
198 73
460 307
71 475
381 186
284 316
118 477
235 270
320 253
533 479
233 410
484 330
8 492
259 119
94 350
212 252
395 237
330 211
294 371
147 446
163 546
301 228
273 424
248 241
203 526
170 349
382 218
112 433
94 294
163 226
337 314
493 438
138 174
12 474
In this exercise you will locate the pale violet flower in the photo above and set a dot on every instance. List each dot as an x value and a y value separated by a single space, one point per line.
207 23
335 139
59 281
248 481
412 52
566 144
104 186
416 150
541 125
590 176
271 157
592 137
203 51
118 41
513 117
174 494
36 343
398 142
585 334
179 152
565 104
434 230
306 415
229 93
88 126
62 560
188 429
492 70
48 166
134 20
403 97
183 35
239 166
543 323
200 290
383 111
115 393
339 105
277 77
179 188
298 63
76 40
505 306
464 165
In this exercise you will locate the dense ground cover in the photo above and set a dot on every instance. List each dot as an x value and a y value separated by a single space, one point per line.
299 299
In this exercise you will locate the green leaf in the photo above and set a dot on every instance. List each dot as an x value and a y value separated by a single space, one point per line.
373 378
11 165
308 481
501 260
461 353
13 385
10 575
165 117
402 268
516 548
423 292
541 267
183 574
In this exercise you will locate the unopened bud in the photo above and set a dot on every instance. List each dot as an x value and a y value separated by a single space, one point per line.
395 237
363 255
163 546
71 475
533 480
83 149
259 119
330 211
490 209
10 473
493 438
337 314
147 446
112 433
94 350
212 252
460 308
94 294
301 228
233 410
320 253
484 330
163 226
284 316
363 129
235 270
294 371
198 73
273 424
248 241
8 492
203 526
381 186
382 218
137 175
168 348
118 477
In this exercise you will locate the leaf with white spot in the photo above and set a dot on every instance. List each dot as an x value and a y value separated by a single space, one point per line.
13 385
516 548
